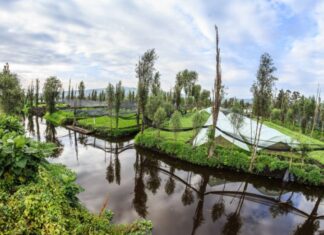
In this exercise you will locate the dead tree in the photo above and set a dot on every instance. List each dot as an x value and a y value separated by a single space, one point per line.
216 95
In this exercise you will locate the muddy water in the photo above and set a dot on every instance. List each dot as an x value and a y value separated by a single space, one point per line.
180 198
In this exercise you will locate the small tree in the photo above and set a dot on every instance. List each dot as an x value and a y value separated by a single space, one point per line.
110 100
144 72
81 90
176 123
159 118
262 96
11 94
236 117
51 91
37 93
197 122
119 97
153 103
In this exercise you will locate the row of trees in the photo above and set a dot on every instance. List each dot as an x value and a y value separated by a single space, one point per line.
298 110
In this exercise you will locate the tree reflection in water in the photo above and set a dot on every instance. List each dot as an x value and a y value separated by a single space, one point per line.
110 175
140 197
151 171
50 136
30 125
117 163
187 196
37 128
154 181
234 221
219 207
311 224
170 184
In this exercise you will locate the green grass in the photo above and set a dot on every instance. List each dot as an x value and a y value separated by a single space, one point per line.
183 136
304 139
108 122
106 126
234 159
59 117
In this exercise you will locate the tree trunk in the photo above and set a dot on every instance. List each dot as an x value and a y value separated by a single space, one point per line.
143 121
217 95
256 143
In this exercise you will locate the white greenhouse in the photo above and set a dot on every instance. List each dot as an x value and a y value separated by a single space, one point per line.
244 136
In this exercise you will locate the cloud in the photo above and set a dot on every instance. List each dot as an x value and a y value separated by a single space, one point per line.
100 42
302 65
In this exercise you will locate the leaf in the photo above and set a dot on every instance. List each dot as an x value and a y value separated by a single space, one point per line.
20 141
21 163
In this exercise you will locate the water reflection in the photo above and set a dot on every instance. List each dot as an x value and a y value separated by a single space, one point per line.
180 198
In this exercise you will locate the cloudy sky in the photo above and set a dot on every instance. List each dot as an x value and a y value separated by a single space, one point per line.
100 41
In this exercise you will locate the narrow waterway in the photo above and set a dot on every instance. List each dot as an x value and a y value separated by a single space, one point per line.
178 197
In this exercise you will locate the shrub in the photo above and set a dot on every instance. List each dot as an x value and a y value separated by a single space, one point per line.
20 157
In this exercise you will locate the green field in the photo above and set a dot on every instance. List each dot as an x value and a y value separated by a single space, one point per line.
109 122
304 139
59 117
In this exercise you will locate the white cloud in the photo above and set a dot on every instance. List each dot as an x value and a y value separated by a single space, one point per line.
303 66
101 41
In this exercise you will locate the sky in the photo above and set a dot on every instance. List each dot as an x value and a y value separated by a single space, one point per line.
101 41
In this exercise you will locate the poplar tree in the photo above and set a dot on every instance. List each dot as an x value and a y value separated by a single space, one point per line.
110 100
144 72
37 93
176 123
69 91
81 90
51 91
159 118
119 97
262 95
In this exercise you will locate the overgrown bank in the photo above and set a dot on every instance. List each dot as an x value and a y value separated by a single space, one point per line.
37 197
104 126
234 159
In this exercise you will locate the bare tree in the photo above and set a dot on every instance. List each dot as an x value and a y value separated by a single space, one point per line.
216 96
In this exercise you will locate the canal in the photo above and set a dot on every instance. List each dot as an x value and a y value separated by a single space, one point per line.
178 197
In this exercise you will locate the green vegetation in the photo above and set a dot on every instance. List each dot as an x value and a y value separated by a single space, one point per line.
11 93
234 159
37 197
59 117
106 126
225 155
302 138
51 91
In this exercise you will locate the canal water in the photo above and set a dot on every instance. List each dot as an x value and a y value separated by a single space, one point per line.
178 197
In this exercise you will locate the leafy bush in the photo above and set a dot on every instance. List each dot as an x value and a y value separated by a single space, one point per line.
10 124
40 198
308 174
20 157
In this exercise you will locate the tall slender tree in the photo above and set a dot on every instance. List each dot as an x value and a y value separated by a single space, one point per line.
317 109
37 92
69 91
110 100
81 90
217 96
119 97
51 91
262 90
144 72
